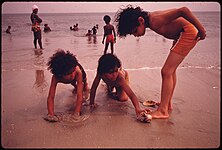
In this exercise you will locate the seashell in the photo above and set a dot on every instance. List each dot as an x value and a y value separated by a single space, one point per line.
144 117
149 103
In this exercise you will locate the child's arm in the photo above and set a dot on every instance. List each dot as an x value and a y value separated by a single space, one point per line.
79 91
94 88
51 95
188 15
114 33
164 17
131 95
37 18
104 34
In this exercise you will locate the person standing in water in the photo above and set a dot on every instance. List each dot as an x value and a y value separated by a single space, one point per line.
36 27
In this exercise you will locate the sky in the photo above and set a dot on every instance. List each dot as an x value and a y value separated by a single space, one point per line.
84 6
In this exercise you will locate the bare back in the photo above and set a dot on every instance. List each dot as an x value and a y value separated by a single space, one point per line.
168 23
108 29
121 78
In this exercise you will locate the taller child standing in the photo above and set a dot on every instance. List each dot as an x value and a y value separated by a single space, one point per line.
108 30
36 26
180 25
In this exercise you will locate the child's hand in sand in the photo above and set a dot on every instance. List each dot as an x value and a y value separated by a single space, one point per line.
51 118
144 117
138 112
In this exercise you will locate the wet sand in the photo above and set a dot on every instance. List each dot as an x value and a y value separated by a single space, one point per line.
193 123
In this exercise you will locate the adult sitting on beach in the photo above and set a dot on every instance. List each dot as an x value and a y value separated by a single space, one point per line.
66 69
36 26
110 71
179 25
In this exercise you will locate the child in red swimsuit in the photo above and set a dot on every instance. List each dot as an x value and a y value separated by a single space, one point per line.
110 38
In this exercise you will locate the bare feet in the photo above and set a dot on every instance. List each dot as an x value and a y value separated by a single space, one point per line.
157 114
169 107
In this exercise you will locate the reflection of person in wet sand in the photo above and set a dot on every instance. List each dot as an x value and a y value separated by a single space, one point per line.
94 39
38 52
39 80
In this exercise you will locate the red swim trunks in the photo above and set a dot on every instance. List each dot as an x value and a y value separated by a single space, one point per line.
186 40
109 38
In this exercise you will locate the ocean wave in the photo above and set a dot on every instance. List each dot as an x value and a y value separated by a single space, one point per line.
128 69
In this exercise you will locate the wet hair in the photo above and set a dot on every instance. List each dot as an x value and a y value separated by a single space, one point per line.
61 63
127 19
107 19
107 62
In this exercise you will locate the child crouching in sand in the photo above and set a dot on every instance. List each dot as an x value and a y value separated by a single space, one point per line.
110 71
66 69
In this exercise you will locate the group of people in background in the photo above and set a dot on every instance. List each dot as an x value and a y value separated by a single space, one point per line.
109 31
75 27
109 34
92 31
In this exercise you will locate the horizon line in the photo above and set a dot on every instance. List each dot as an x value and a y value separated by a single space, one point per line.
87 12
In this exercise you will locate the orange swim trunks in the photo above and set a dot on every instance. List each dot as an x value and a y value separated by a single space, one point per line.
186 40
109 38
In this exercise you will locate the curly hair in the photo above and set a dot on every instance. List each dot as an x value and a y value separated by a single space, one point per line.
107 62
61 62
127 19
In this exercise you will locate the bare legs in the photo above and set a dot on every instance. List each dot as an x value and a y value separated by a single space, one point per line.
106 47
35 43
38 36
168 73
120 94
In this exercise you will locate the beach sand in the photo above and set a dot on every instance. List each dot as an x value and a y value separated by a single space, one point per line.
193 123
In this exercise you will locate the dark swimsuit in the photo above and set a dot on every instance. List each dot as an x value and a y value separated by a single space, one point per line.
84 80
36 26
